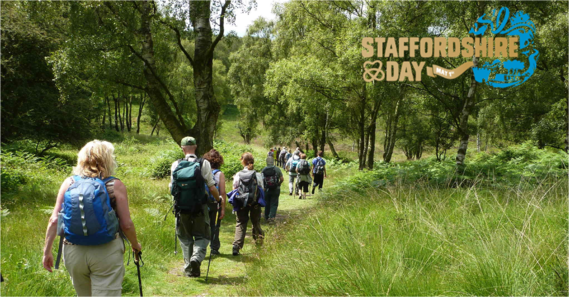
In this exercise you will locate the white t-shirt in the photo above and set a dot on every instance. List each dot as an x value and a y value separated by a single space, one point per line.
259 179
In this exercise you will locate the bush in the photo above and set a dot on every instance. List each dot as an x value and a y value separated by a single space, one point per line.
505 167
231 153
162 163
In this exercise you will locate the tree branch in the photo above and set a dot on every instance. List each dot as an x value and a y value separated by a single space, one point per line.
170 96
179 40
221 28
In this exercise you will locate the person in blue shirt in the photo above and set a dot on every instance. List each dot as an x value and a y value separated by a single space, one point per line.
318 171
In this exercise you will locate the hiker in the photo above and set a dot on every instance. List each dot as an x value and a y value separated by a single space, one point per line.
304 180
275 155
318 171
290 166
272 178
189 177
247 202
278 156
92 255
282 158
216 160
270 153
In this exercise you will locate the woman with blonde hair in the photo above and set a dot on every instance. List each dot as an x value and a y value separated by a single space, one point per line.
90 208
247 182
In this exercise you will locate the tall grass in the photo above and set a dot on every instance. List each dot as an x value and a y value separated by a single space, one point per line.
423 239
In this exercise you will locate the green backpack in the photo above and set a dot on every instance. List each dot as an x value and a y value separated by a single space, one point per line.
188 186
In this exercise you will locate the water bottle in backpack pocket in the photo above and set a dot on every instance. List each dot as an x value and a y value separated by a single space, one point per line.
87 217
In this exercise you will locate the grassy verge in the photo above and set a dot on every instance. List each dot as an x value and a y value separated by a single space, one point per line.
423 240
30 185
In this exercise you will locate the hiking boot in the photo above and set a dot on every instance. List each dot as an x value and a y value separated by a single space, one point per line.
214 252
260 239
195 268
290 193
235 250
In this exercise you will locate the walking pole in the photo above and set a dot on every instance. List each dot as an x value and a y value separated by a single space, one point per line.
212 239
137 262
176 236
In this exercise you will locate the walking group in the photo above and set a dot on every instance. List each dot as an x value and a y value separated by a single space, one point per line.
92 216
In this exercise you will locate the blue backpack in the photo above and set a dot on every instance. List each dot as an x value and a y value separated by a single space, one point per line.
211 198
87 217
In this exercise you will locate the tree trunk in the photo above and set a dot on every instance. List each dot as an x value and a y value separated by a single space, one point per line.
207 106
140 107
331 145
391 129
463 124
129 114
116 113
370 158
110 114
104 114
361 129
315 145
371 133
566 86
153 128
121 113
466 110
153 85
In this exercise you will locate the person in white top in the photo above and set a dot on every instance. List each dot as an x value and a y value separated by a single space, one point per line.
193 229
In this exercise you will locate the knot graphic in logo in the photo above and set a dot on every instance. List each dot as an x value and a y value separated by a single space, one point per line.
512 72
371 73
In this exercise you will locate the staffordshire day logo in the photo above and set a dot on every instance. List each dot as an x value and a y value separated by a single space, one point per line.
518 46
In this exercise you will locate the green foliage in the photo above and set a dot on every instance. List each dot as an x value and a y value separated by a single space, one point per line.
232 152
31 103
422 240
162 163
507 167
20 168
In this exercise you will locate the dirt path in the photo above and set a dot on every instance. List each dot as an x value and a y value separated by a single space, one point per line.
227 272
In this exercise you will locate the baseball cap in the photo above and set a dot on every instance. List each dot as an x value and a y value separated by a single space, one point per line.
188 140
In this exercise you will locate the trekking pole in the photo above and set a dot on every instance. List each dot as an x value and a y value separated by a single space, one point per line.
137 262
171 207
176 236
212 239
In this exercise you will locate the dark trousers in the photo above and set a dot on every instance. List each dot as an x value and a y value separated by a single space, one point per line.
254 212
318 180
194 234
272 202
214 229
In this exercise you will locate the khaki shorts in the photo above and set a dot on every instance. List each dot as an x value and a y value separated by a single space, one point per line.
96 270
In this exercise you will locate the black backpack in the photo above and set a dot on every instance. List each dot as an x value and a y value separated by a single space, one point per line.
303 167
188 186
270 178
248 194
